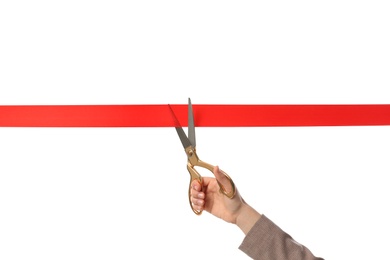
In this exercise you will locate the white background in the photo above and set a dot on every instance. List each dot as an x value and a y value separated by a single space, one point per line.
121 193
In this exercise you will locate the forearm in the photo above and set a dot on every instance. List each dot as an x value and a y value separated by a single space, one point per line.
267 241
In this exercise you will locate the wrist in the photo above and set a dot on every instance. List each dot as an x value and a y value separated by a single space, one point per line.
246 218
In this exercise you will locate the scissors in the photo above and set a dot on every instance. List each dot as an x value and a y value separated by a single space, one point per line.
189 144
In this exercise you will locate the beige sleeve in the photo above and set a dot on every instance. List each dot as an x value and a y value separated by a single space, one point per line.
266 241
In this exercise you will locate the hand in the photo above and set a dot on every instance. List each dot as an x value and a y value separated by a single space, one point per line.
209 198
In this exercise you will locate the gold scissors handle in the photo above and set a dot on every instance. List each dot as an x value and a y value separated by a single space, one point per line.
193 160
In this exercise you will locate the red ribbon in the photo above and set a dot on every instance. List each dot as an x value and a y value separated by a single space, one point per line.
205 115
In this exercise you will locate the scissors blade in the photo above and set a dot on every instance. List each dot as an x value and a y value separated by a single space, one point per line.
183 137
191 124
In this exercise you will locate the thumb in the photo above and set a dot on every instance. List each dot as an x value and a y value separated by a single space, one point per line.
222 179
